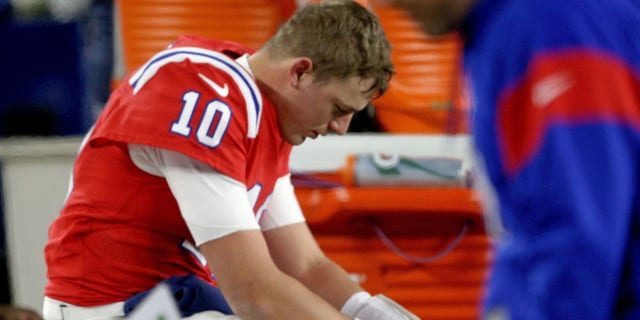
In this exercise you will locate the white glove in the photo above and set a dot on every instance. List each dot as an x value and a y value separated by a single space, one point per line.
363 306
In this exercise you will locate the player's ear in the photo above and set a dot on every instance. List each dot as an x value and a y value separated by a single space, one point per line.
301 67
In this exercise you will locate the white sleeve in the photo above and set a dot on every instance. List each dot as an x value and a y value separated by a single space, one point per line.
283 207
212 204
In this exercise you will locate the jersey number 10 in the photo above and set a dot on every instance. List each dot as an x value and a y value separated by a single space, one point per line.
212 126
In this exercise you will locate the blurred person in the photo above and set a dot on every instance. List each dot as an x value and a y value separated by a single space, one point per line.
184 178
555 120
95 21
12 312
97 27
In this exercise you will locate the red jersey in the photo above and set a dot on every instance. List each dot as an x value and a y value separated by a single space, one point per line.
120 230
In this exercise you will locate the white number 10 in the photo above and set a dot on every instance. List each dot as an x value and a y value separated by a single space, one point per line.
212 126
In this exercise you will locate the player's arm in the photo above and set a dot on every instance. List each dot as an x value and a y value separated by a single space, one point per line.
296 252
217 211
255 287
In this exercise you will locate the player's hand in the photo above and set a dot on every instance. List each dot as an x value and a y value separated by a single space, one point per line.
379 307
8 312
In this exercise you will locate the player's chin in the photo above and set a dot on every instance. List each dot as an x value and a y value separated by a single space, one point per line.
296 139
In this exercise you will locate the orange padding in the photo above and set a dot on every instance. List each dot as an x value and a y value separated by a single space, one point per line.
148 26
424 96
422 222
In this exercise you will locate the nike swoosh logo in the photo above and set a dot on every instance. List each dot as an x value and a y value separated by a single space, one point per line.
222 91
550 88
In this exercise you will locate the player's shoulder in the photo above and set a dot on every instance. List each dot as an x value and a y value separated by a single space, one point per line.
212 72
220 55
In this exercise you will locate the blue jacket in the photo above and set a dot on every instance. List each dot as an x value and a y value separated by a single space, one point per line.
555 116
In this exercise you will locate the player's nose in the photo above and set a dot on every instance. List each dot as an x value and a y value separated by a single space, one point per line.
340 125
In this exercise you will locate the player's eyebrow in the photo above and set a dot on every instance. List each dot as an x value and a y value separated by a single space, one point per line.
348 107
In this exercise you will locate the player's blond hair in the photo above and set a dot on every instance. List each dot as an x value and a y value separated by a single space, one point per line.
342 39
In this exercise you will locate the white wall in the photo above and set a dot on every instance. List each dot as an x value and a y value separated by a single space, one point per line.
35 175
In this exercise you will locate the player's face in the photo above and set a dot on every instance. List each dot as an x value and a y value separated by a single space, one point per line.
319 108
